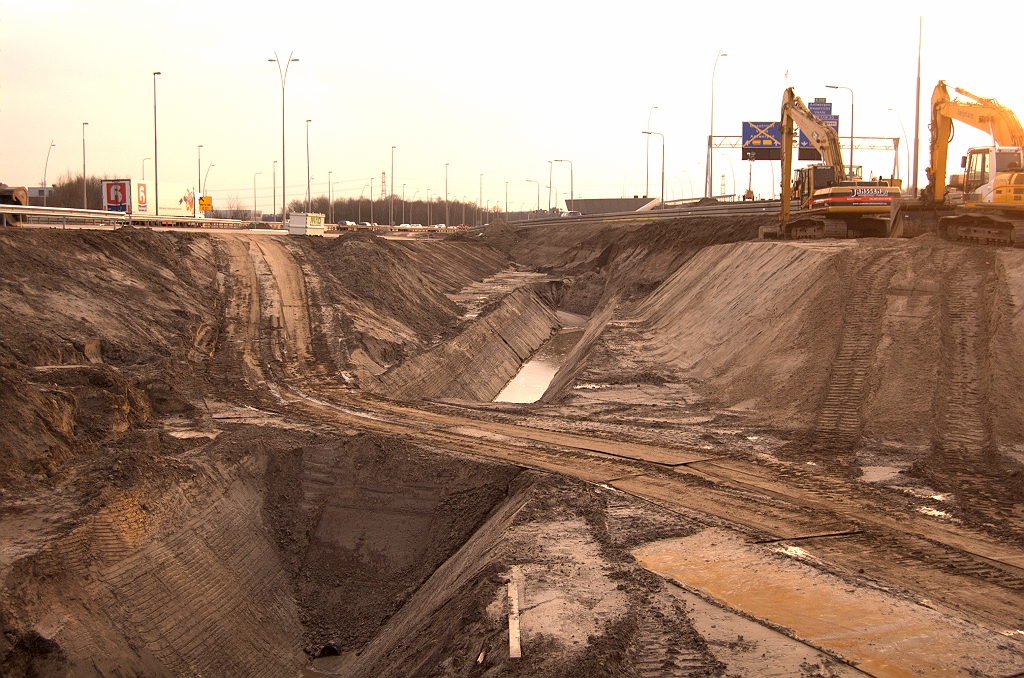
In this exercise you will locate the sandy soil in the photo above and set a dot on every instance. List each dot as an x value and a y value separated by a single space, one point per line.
194 483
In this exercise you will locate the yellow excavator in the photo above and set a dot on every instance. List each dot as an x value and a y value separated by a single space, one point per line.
988 205
833 204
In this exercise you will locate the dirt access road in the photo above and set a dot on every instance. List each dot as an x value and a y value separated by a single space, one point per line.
856 536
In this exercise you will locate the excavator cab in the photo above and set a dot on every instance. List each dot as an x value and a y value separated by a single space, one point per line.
981 185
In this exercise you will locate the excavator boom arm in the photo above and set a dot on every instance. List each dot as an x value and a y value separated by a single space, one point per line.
987 115
822 137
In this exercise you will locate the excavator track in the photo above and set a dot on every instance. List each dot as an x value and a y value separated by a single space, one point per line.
839 423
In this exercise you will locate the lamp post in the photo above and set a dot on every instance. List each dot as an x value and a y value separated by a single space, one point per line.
733 171
538 191
283 75
906 142
690 181
708 172
199 179
506 201
551 163
254 195
371 202
361 203
480 199
144 167
403 205
572 201
309 195
391 216
662 163
85 196
330 203
428 208
331 192
156 154
647 165
273 178
447 218
46 165
206 176
851 120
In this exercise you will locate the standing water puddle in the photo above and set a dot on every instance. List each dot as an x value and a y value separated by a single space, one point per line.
536 373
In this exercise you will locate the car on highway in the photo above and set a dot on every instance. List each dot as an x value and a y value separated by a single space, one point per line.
365 224
571 214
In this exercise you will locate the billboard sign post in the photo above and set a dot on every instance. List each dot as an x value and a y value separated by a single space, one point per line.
117 195
761 141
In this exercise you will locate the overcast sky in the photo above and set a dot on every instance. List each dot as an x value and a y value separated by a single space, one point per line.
490 88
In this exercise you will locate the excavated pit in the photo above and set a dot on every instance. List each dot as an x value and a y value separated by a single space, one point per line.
272 545
238 454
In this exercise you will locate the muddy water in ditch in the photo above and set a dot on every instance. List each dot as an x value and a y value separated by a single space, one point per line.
536 373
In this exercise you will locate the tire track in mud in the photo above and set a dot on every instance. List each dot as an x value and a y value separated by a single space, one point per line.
965 428
964 436
666 646
840 421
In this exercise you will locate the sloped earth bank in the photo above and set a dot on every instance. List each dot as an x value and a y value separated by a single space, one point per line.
216 492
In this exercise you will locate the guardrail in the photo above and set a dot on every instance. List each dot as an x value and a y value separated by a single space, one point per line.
66 216
728 208
76 216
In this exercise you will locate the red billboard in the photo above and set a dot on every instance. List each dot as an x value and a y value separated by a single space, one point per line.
117 195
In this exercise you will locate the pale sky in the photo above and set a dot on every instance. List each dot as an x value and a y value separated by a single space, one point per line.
492 88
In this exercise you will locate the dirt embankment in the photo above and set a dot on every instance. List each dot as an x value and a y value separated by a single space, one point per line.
476 364
88 320
623 261
380 301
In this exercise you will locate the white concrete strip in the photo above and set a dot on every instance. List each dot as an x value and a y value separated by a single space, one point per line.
515 650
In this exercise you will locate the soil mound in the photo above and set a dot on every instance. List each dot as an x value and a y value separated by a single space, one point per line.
624 261
384 276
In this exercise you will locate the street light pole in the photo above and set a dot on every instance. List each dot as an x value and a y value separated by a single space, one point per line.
447 218
906 142
309 195
649 134
534 181
206 176
708 172
391 216
85 196
851 120
733 171
156 154
690 181
45 167
254 196
506 201
403 205
551 163
144 167
480 199
330 203
199 178
274 178
647 165
572 190
283 75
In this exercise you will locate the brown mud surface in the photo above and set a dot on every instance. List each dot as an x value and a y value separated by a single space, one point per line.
254 455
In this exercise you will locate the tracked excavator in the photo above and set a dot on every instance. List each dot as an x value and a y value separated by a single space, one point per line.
832 203
988 205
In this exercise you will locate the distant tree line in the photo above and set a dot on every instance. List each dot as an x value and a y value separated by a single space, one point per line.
67 192
415 211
